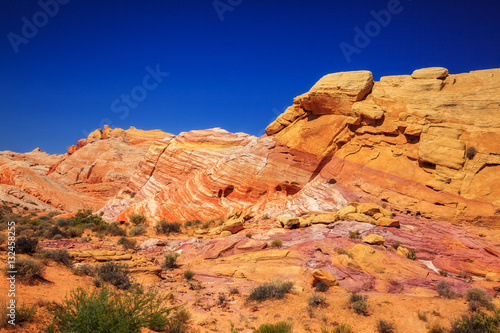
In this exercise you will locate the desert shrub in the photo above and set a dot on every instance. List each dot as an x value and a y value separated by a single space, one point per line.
277 243
105 310
271 290
422 315
23 314
60 256
192 223
265 217
321 286
476 322
164 227
171 260
384 326
85 218
26 245
354 234
478 298
437 328
316 301
358 303
116 274
234 291
443 289
62 223
342 251
137 219
411 255
115 230
126 243
137 231
28 270
249 235
84 269
281 327
53 232
343 328
75 231
188 274
471 152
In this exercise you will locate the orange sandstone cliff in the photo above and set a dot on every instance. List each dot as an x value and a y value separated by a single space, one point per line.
426 144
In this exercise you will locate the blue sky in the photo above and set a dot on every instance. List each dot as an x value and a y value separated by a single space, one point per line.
234 64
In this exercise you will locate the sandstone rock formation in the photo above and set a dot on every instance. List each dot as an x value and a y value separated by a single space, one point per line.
86 176
427 144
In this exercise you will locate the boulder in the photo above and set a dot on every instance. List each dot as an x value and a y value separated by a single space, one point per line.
324 276
403 251
430 73
374 239
288 222
494 277
233 226
387 222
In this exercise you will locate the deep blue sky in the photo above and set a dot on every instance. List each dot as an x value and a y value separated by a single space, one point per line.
237 74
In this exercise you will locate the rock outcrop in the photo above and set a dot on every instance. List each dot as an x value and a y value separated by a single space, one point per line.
89 174
426 144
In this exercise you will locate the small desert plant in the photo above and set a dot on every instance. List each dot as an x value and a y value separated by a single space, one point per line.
116 274
358 303
105 310
281 327
471 152
316 301
75 231
437 328
271 290
84 269
277 243
265 217
411 255
171 260
354 234
478 298
384 326
188 274
476 322
234 291
343 328
28 270
422 315
114 230
26 245
126 243
137 219
23 314
321 286
443 289
342 251
164 227
60 256
249 235
137 230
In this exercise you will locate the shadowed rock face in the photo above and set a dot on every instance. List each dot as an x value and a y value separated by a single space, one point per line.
426 144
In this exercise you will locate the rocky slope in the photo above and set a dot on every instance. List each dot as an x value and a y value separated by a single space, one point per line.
426 144
89 174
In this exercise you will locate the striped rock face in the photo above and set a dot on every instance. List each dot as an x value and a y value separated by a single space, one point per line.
425 144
